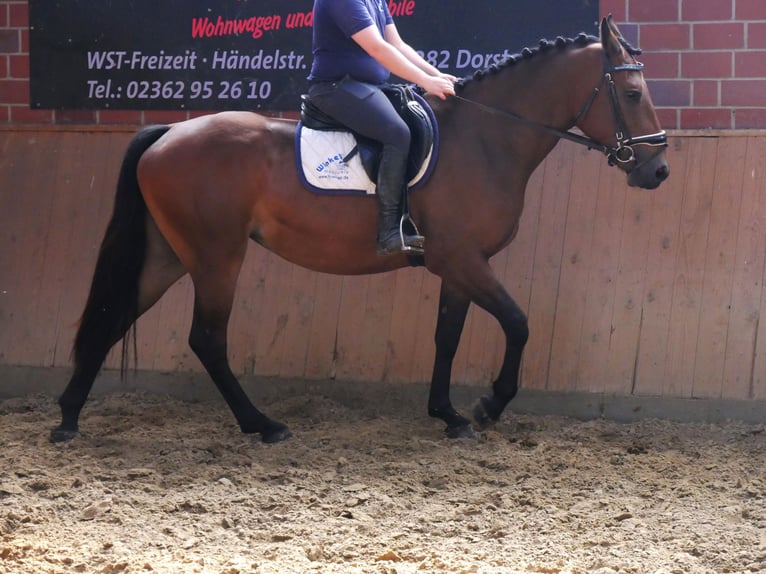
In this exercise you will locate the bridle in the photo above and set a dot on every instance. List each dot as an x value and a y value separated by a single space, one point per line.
622 153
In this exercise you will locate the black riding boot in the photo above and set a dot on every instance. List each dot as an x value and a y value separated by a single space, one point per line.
390 190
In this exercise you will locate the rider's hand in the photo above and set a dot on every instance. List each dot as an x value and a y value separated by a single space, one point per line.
440 86
450 77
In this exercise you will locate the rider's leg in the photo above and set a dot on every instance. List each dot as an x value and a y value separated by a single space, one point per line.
390 190
366 110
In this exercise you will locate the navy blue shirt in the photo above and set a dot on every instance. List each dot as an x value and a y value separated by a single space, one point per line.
335 53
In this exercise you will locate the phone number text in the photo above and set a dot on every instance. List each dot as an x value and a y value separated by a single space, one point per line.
179 90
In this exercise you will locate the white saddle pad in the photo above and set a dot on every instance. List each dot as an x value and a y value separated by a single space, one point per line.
321 159
322 167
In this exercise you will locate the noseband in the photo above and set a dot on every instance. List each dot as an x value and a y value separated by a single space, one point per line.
622 153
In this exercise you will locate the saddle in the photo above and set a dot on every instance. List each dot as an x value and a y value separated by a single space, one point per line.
422 130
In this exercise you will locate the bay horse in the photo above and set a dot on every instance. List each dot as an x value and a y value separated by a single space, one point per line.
190 195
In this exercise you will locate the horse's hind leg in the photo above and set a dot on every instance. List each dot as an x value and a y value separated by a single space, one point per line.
76 393
453 308
102 331
214 295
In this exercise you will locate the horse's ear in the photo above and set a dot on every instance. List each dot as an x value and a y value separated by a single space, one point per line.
610 36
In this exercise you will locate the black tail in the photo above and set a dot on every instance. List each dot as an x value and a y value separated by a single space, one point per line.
112 305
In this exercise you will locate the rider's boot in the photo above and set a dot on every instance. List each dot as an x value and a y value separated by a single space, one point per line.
390 191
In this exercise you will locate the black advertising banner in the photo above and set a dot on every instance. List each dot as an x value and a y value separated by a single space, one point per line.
251 54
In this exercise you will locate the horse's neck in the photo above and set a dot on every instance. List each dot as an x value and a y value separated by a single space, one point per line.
486 122
542 91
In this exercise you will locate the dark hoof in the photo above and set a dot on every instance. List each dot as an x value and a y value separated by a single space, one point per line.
482 413
462 431
62 435
279 433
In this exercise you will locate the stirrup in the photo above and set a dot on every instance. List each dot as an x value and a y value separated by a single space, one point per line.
412 244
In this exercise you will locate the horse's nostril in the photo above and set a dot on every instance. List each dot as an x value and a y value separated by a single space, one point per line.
662 172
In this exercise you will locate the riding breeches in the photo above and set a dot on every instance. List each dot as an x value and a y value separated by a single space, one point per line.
364 109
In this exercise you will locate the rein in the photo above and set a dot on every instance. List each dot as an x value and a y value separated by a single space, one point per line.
623 152
571 136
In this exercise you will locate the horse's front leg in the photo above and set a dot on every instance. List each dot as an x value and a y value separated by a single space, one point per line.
453 308
487 292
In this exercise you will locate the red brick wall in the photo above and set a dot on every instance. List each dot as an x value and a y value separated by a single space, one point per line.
705 64
705 59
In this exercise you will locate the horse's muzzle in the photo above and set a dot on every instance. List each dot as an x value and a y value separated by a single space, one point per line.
650 174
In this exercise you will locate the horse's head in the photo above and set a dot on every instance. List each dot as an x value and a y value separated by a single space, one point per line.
620 114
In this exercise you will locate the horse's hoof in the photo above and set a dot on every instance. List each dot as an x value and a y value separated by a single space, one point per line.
462 431
277 434
481 413
59 434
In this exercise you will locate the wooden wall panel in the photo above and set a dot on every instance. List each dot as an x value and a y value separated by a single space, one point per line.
44 250
404 334
745 366
665 216
628 291
629 287
720 252
270 313
22 210
747 277
604 257
297 329
686 304
569 300
424 324
547 200
320 352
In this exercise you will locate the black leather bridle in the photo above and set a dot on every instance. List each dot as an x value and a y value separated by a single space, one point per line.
622 154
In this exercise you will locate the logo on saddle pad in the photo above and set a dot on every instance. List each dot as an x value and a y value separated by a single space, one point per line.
332 159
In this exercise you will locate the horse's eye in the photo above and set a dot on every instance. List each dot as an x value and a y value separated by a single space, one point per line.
634 96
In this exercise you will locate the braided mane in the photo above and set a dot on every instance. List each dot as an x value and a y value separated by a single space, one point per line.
543 47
